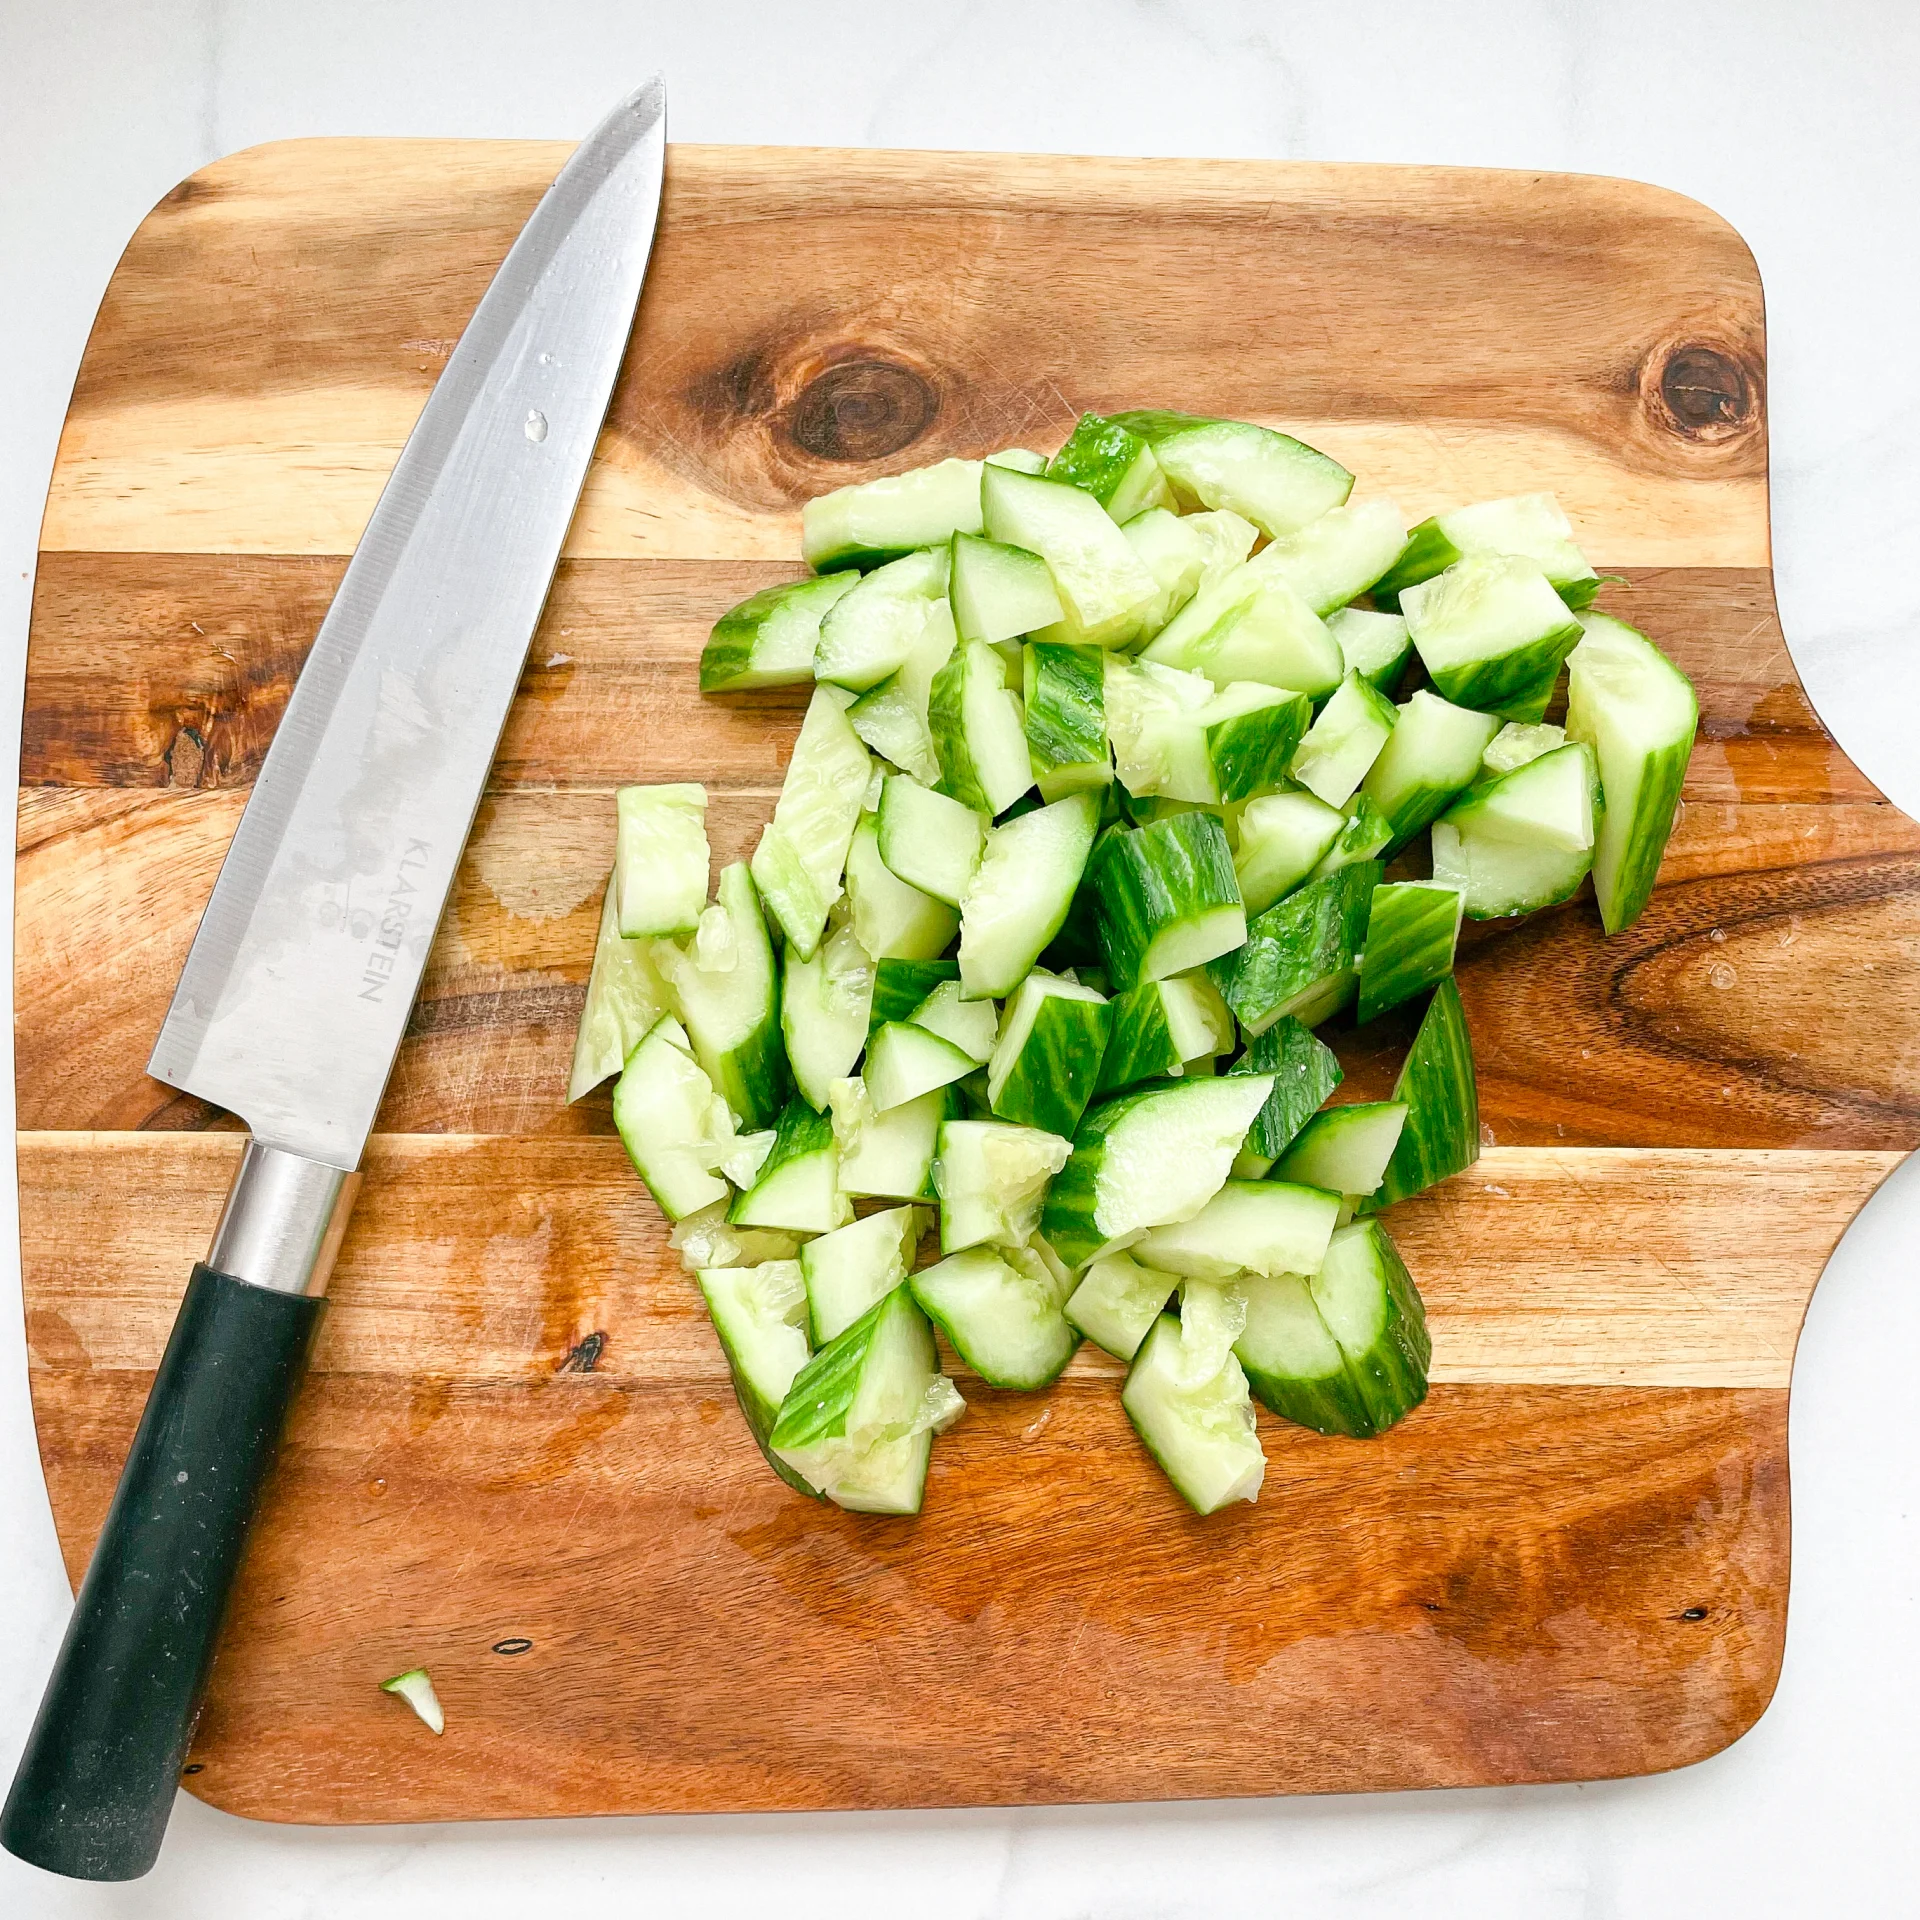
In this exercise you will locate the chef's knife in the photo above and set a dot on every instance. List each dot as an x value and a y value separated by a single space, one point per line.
302 975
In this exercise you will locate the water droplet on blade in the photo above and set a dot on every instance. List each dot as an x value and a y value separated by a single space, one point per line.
536 424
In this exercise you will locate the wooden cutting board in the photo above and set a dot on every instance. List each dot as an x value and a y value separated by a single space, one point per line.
518 1462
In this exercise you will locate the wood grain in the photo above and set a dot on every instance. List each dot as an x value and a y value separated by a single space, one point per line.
1572 1561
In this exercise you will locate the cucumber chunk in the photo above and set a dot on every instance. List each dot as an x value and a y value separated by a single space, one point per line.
848 1270
1103 586
760 1315
1498 879
1185 553
671 1122
1151 1158
1300 957
1637 711
1370 1305
1166 898
1283 837
1442 1132
1277 482
1365 834
798 1189
660 859
1204 1437
901 987
728 994
704 1239
1000 592
859 1420
1294 1364
893 717
1066 719
1344 741
1413 928
1117 467
803 849
1529 527
1249 1226
1373 645
1518 742
892 920
971 1025
928 839
880 520
1001 1308
625 996
1249 625
825 1004
979 731
1161 1029
1020 459
1117 1302
1493 634
991 1177
1304 1072
871 632
1342 553
1021 892
1048 1056
904 1062
886 1156
1344 1149
1433 752
1252 734
1505 844
769 638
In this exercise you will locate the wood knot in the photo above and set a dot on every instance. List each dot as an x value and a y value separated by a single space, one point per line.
584 1357
1702 392
862 410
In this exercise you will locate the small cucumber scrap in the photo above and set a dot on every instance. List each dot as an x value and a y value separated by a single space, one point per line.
660 859
990 1177
1373 645
1522 840
979 731
928 839
1344 1149
1283 837
1249 1226
1413 927
1163 1027
1001 1308
1203 1437
1344 742
1048 1056
1493 634
892 920
999 592
885 1156
1277 482
1432 754
871 632
1117 1302
760 1314
906 1062
880 520
768 640
825 1008
1117 467
1436 1086
1301 956
803 850
625 996
415 1687
672 1123
1066 718
1166 898
1103 585
846 1271
1342 553
1529 527
798 1189
1303 1071
1021 891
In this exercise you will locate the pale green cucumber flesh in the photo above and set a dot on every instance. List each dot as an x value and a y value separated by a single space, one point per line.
1203 1438
759 1314
900 987
971 1025
1432 754
1277 482
1283 837
1117 1302
1498 879
999 592
877 521
871 632
991 1177
929 839
768 640
1344 741
1253 733
1342 553
1115 466
1021 892
803 852
979 731
1294 1364
1373 645
1249 1226
1365 834
1001 1308
664 1108
798 1188
886 1156
1103 586
1163 1027
660 860
1492 633
848 1270
892 920
905 1062
625 996
1370 1305
825 1007
1344 1149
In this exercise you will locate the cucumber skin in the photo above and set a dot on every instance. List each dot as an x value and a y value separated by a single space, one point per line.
1333 1405
1428 551
1367 833
1392 1374
1097 457
1054 1077
1408 925
1139 1042
801 1131
1305 1072
816 1405
726 661
1310 936
1066 718
1442 1133
1655 805
759 1416
1155 877
899 986
1250 753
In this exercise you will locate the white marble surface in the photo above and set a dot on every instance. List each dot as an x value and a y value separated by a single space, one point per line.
1793 118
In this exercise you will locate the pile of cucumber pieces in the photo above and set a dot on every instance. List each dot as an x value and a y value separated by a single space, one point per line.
1087 828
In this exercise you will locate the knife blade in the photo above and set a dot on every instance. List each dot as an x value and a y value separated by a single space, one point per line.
297 989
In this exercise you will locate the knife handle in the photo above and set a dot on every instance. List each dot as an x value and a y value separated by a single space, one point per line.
95 1785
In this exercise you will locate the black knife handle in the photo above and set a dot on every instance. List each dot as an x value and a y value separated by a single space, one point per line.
96 1783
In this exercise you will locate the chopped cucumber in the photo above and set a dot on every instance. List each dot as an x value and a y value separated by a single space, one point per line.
1204 1437
1154 717
886 1156
1303 1071
892 920
704 1239
971 1025
1151 1158
1212 1313
803 850
904 1062
1252 733
1000 592
1020 459
1368 1302
1505 845
879 520
1373 645
1166 898
1277 482
1365 834
798 1190
929 839
893 717
1433 752
870 633
858 1421
1637 711
1492 633
1344 1149
415 1687
848 1270
1249 1226
760 1314
1342 553
1103 586
1294 1364
1048 1056
1283 837
1442 1133
660 859
1300 957
1066 719
991 1177
1249 625
1183 553
625 996
1001 1308
1162 1029
1344 741
825 1004
769 638
1531 527
1117 467
901 987
1021 892
671 1122
1498 879
1413 927
1117 1302
979 731
1518 742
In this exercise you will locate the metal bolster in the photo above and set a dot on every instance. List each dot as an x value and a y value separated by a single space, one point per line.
284 1218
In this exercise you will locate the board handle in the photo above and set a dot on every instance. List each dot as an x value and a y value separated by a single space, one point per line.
95 1786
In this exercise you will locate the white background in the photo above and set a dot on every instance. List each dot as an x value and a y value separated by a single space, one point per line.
1796 120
